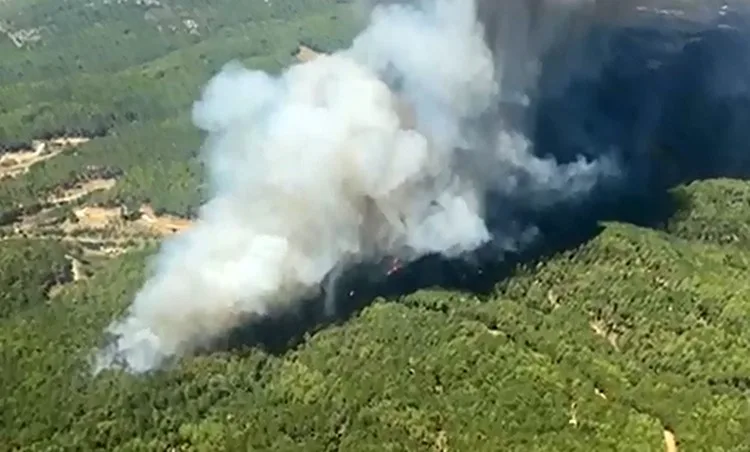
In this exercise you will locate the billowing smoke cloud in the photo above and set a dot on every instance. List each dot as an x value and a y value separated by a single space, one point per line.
386 149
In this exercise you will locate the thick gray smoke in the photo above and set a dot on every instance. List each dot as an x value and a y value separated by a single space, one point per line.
321 167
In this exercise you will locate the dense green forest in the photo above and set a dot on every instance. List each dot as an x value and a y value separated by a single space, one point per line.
598 348
131 72
602 347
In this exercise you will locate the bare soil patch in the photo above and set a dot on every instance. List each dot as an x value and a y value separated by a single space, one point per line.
80 190
161 224
90 217
147 222
13 164
99 224
670 441
95 231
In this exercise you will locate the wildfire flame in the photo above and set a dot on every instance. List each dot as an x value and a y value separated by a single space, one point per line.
395 266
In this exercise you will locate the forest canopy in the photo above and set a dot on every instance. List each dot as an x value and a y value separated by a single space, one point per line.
613 343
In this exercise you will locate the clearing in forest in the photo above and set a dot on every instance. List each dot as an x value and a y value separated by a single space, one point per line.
66 216
13 164
145 223
82 189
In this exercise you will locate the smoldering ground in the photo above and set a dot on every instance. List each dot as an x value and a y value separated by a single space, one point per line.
582 118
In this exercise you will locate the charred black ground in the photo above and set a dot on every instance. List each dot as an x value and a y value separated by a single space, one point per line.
673 102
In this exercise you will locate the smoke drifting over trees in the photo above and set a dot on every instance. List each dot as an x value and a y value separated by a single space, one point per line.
313 171
316 170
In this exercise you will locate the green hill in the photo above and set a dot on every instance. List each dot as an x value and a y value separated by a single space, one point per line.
604 347
120 69
598 348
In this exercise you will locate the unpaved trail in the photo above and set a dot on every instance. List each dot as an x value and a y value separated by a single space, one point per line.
161 224
94 221
99 231
81 190
148 222
14 164
670 441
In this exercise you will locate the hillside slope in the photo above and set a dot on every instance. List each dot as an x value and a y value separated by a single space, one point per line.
631 339
126 73
599 348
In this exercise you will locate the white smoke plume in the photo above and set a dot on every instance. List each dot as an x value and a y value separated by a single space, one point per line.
321 167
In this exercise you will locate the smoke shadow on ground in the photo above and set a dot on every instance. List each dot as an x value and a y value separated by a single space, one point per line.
675 103
478 273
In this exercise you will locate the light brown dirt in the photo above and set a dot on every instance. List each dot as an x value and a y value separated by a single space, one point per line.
95 217
670 441
81 190
100 224
96 231
13 164
106 251
112 218
161 224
